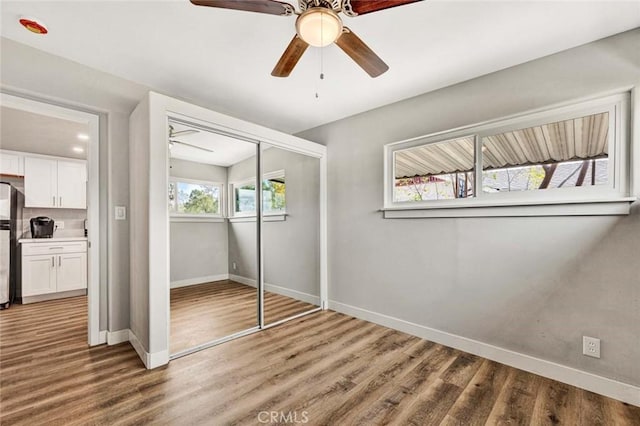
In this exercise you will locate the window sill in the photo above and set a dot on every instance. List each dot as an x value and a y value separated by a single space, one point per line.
195 219
266 218
600 207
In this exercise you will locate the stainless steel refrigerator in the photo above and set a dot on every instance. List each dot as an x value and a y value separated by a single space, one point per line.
8 246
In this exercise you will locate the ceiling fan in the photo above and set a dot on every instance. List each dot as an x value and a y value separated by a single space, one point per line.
173 134
319 25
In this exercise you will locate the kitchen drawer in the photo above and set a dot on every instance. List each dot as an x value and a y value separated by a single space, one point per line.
34 249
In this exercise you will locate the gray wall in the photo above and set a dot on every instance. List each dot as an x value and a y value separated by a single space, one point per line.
291 247
139 243
534 285
32 73
198 249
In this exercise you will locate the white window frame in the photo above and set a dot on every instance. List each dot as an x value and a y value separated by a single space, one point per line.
271 216
208 217
612 198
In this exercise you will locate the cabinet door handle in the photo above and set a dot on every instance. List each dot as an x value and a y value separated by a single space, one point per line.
54 200
53 261
59 260
60 201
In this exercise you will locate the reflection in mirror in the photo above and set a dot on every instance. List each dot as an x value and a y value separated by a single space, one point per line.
290 232
207 303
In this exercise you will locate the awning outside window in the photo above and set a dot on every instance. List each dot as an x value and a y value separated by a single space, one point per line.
575 139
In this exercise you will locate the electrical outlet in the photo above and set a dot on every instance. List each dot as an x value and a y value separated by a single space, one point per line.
235 266
60 224
591 346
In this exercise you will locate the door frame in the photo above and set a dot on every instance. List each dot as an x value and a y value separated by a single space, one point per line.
158 109
93 197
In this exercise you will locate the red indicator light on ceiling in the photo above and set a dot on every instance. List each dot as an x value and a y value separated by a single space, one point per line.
33 26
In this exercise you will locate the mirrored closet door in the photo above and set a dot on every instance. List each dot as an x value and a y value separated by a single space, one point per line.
213 236
290 233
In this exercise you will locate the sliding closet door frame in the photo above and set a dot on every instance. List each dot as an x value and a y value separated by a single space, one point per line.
258 228
322 241
259 251
152 325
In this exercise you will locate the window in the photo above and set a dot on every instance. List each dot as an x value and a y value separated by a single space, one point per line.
569 154
436 171
273 195
192 198
561 154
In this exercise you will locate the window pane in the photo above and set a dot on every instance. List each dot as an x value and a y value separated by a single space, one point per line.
173 201
556 155
194 198
245 198
273 195
435 171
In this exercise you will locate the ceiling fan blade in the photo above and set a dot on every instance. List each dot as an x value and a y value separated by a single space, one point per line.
290 57
184 132
360 7
270 7
190 145
361 53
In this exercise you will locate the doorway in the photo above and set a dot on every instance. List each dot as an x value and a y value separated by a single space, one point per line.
51 160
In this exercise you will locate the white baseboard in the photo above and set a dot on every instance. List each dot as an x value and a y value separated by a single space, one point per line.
198 280
119 336
283 291
101 338
243 280
158 359
294 294
562 373
150 360
142 353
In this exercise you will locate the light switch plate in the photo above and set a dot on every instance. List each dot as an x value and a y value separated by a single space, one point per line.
59 224
121 213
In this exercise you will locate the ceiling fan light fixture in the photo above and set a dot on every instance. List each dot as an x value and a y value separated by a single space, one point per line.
319 26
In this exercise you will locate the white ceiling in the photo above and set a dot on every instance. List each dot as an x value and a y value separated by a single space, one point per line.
226 150
225 57
40 134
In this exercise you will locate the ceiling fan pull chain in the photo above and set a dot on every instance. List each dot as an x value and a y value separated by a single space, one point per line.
321 50
321 57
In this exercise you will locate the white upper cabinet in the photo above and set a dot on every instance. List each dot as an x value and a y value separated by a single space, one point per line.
55 183
72 185
11 163
40 182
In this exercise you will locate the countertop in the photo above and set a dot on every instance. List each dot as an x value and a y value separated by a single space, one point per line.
50 240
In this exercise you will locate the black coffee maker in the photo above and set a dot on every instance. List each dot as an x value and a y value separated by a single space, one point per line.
42 227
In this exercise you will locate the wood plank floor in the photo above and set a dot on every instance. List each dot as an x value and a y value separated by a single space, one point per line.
205 312
327 368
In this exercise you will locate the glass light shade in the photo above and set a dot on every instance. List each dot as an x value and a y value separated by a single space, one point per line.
319 26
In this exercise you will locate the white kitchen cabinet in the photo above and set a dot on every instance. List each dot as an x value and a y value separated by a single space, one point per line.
40 182
71 271
53 267
11 163
38 275
55 183
72 185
